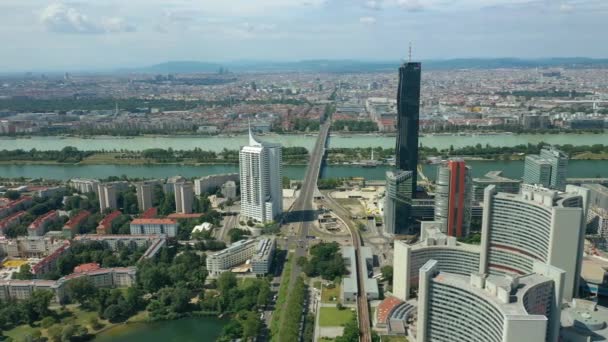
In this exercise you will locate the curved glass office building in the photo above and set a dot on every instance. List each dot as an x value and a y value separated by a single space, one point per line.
536 225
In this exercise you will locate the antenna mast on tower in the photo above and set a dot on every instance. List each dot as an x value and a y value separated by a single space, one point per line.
410 53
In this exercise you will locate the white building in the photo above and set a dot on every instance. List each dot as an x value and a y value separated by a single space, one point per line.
184 197
237 254
262 259
145 191
210 183
107 197
536 225
493 308
451 256
153 226
261 180
229 190
84 185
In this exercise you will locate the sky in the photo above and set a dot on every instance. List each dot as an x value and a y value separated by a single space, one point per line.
102 34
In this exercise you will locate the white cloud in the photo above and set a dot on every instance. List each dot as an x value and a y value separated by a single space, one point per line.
367 20
566 8
373 4
410 5
58 17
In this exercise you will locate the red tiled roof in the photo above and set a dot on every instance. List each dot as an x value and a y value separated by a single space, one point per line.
184 216
153 221
109 218
86 267
76 220
9 219
51 257
51 215
386 307
150 213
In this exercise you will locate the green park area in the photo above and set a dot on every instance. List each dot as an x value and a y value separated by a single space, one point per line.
334 317
330 295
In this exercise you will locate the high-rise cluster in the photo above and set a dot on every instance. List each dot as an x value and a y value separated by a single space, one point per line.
508 288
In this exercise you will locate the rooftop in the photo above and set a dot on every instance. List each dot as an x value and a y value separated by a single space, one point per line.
153 221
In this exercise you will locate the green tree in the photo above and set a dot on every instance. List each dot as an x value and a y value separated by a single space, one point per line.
226 281
12 195
54 333
24 273
81 290
387 273
252 326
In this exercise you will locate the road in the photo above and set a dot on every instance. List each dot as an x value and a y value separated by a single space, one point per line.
303 206
303 212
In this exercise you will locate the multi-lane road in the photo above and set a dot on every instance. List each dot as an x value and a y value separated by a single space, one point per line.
303 208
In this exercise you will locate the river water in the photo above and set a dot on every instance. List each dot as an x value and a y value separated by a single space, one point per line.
514 169
218 143
182 330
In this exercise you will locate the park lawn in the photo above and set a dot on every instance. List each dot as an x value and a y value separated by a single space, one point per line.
387 338
77 316
332 317
327 294
20 331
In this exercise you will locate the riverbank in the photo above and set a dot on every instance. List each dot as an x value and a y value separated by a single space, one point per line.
511 169
219 143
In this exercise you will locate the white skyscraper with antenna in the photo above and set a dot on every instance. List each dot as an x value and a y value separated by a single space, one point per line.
261 180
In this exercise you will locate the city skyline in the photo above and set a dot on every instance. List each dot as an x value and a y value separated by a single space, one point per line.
86 35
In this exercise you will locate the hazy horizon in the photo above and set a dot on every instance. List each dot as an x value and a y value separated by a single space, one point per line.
94 35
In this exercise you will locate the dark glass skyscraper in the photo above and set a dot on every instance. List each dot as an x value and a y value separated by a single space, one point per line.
408 114
401 184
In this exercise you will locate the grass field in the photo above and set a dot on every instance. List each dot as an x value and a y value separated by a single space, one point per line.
14 263
332 317
327 294
74 315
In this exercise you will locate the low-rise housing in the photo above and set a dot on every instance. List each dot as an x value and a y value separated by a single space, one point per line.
157 226
39 225
105 225
70 229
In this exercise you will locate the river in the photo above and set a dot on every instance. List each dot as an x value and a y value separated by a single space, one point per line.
182 330
513 169
217 143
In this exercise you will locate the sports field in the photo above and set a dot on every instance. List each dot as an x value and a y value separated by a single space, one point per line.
14 263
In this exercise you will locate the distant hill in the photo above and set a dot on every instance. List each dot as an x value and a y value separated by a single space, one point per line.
343 66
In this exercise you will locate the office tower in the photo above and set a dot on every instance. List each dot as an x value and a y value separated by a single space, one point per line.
397 201
184 197
261 180
537 224
451 256
107 196
453 198
489 308
144 195
408 113
503 184
547 169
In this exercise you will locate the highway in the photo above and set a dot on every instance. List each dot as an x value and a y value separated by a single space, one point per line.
302 212
303 206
